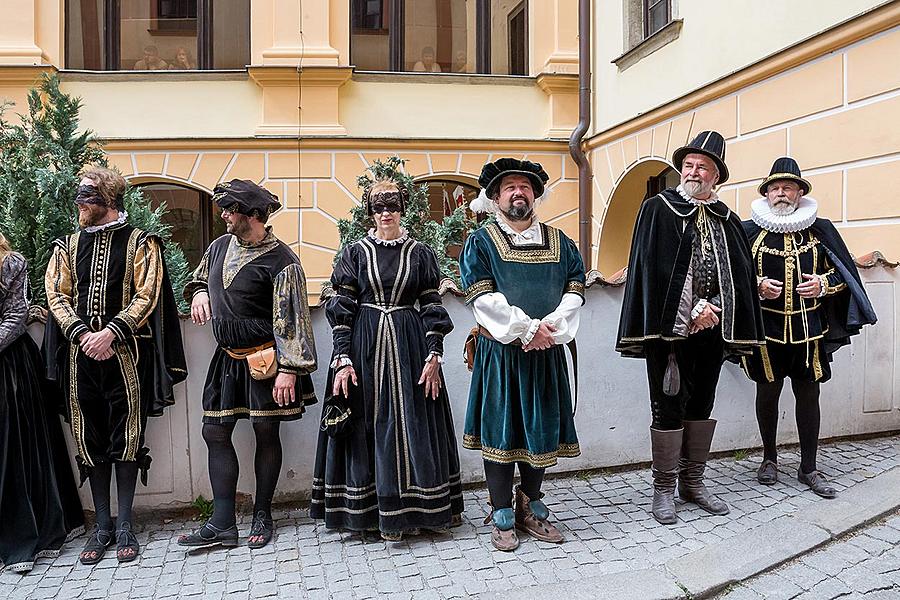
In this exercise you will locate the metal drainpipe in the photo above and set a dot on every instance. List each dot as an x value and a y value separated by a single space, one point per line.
584 121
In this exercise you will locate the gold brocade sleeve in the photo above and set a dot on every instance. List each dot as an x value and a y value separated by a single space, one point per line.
60 287
199 281
147 278
295 345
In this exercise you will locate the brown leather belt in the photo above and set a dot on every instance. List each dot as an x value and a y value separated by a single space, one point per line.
242 353
487 334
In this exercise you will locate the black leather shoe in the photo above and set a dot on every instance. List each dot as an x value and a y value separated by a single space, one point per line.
208 535
767 474
817 483
127 546
96 545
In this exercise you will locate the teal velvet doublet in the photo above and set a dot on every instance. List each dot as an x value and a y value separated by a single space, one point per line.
520 403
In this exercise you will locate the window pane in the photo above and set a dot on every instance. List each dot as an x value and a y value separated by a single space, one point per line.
439 37
158 35
659 16
231 34
84 44
509 37
185 208
369 35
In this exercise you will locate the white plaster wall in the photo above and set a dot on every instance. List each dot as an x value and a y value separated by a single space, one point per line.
613 410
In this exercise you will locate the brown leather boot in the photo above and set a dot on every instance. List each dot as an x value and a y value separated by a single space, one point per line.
698 437
666 447
532 517
503 536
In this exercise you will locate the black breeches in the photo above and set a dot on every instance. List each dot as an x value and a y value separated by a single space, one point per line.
699 360
806 396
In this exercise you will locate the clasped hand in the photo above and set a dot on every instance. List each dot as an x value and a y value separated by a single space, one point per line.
97 345
543 338
706 319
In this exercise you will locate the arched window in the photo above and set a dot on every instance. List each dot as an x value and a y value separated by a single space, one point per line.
194 219
444 197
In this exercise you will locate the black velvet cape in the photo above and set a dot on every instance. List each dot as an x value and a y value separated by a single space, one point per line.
845 313
660 258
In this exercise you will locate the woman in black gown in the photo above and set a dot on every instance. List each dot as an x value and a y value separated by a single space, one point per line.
394 467
39 506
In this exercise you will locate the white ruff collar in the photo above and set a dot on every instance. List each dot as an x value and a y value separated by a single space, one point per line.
404 235
95 228
800 219
712 197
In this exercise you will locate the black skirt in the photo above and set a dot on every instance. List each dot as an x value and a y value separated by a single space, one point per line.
396 468
38 499
231 394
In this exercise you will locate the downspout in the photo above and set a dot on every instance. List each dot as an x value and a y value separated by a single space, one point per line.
584 122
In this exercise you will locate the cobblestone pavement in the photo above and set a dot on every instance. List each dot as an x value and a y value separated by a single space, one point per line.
604 517
865 565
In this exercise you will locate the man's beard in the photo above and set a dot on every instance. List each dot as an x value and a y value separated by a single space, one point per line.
783 208
239 227
95 214
696 188
518 213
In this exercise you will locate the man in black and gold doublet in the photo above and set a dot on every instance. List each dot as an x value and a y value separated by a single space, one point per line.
812 302
252 287
113 345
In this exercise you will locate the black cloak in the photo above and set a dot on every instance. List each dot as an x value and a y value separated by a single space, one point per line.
844 313
661 249
169 365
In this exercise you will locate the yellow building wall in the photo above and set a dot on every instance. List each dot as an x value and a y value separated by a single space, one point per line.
318 186
835 114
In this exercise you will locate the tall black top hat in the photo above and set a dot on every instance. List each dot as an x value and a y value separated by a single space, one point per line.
493 173
707 143
245 197
784 168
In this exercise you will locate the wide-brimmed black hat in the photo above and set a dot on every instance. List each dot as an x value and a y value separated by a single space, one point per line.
707 143
245 197
493 173
784 168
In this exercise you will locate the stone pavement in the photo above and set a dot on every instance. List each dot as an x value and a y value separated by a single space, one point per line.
614 547
864 565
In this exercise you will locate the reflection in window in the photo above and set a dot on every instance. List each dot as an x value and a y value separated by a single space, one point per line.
440 36
84 38
657 14
194 219
157 35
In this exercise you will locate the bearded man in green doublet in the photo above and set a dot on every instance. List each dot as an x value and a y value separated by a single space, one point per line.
525 283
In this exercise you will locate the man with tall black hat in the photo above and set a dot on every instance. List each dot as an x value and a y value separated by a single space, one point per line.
525 283
813 302
690 302
252 287
114 347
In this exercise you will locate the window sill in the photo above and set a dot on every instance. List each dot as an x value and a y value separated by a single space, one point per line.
443 78
664 36
210 75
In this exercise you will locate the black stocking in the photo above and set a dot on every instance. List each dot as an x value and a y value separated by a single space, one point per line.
532 478
500 481
806 394
267 464
223 472
767 395
126 481
100 479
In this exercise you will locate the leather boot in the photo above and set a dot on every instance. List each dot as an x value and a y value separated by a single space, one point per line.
533 517
698 437
666 450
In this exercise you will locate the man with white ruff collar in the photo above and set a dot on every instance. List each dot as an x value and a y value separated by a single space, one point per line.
812 301
690 302
525 283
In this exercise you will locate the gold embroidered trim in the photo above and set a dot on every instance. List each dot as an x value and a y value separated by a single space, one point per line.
75 417
485 286
545 253
241 410
133 398
767 363
546 459
818 372
575 287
